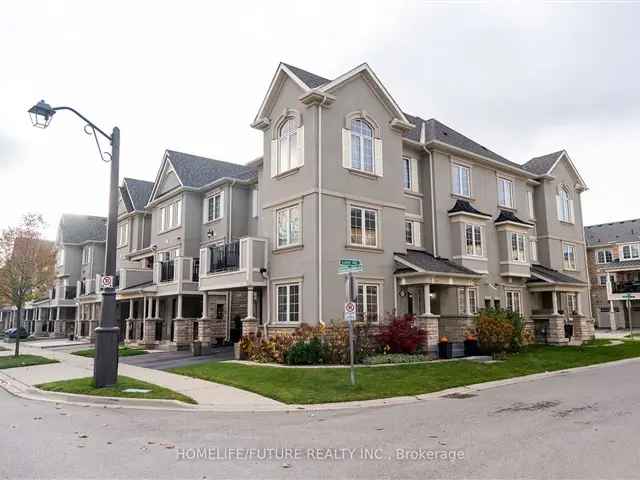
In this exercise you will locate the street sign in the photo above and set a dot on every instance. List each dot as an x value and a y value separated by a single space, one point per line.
350 312
106 282
350 265
629 296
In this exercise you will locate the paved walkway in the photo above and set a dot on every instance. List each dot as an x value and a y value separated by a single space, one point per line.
205 393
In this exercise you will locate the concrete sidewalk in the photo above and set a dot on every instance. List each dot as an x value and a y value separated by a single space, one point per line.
207 394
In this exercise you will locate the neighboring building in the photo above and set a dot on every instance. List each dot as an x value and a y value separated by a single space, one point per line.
613 252
7 316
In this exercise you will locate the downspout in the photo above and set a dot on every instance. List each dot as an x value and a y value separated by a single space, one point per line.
320 299
433 203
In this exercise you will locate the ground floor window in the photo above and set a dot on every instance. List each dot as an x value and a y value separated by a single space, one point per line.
288 302
367 302
572 302
513 301
467 297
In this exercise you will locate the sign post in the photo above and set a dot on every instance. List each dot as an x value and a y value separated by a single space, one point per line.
347 267
628 297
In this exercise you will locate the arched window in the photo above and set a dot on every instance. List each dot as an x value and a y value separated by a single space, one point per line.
287 143
564 208
362 146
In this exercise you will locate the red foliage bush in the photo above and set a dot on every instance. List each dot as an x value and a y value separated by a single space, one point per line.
400 335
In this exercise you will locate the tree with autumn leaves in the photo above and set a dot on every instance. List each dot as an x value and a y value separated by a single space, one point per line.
27 265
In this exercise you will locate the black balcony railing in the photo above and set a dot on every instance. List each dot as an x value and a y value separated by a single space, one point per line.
224 258
166 271
70 293
195 276
625 287
53 294
83 288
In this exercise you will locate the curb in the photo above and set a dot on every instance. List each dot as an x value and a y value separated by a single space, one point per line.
28 392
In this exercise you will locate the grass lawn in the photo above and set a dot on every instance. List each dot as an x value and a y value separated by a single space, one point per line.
23 361
122 351
324 385
85 386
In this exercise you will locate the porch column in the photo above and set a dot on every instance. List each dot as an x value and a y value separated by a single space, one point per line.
426 291
179 307
612 316
249 324
130 309
578 303
157 309
554 298
428 322
205 305
555 332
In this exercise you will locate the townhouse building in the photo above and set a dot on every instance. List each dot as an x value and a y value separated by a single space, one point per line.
613 253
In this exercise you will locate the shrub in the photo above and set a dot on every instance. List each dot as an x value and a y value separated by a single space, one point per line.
500 330
305 353
264 350
400 335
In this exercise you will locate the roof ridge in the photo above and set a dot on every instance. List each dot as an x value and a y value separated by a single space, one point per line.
207 158
606 224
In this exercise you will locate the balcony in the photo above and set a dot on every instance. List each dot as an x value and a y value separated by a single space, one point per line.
234 264
623 290
176 275
70 293
167 271
625 287
131 277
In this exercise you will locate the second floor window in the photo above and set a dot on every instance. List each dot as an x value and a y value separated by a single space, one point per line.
532 210
362 146
214 207
565 206
505 192
604 256
569 256
631 251
461 176
518 242
473 240
86 255
364 227
123 235
288 226
412 233
287 146
60 258
170 216
533 251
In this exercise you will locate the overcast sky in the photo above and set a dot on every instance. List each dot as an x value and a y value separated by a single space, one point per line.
522 80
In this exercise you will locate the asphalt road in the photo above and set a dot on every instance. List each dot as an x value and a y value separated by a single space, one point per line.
578 425
165 360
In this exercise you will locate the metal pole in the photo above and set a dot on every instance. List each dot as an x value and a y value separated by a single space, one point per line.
18 325
349 293
630 322
105 366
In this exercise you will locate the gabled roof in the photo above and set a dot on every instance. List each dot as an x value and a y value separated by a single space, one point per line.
463 206
126 199
425 261
311 80
82 228
549 275
614 232
545 164
139 192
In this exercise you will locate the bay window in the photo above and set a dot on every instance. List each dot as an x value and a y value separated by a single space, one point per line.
473 240
518 242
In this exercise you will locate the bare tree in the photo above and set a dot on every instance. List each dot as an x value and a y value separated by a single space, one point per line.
27 265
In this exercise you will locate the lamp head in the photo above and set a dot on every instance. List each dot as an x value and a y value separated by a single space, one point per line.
41 114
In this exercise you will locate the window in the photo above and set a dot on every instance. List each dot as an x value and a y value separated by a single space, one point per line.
572 302
569 256
219 310
287 146
604 256
170 216
473 301
631 251
603 280
473 240
362 146
461 180
288 303
532 210
467 301
364 227
565 206
412 233
513 301
367 302
86 255
288 226
60 257
505 192
518 241
123 235
254 203
214 207
533 251
410 174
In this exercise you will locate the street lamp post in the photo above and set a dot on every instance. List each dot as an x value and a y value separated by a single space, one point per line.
105 365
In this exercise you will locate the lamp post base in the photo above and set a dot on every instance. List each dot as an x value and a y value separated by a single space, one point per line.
105 365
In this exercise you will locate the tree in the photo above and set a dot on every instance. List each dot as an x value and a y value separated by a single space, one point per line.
27 265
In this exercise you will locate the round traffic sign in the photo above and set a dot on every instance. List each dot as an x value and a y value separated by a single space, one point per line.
349 307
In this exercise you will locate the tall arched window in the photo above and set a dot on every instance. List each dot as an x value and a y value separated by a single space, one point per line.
564 209
362 146
287 143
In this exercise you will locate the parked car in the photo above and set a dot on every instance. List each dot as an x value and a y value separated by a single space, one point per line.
12 332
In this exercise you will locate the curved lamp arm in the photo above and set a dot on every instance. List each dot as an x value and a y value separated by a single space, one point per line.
89 122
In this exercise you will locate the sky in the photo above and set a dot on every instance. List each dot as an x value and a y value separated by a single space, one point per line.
522 78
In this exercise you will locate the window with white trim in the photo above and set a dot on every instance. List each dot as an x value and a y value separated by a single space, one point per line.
505 192
60 257
362 150
288 303
86 255
630 251
287 145
603 280
533 251
123 235
364 227
473 240
461 176
467 300
565 207
604 256
410 174
412 233
473 300
170 216
367 302
532 209
572 302
288 226
214 207
569 256
518 242
513 302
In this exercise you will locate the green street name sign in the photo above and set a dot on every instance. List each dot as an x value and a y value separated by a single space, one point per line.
350 265
628 296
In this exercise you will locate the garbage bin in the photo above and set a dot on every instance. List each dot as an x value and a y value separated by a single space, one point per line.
196 348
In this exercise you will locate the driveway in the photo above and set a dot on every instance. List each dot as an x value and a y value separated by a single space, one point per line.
163 360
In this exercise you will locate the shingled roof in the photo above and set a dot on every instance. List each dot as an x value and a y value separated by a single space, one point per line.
541 165
508 216
546 274
614 232
195 171
463 206
82 228
310 79
139 192
427 262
